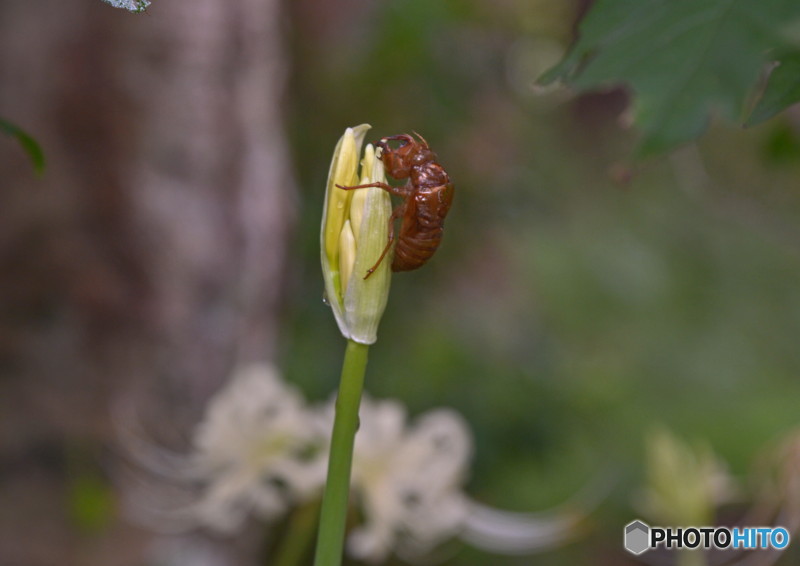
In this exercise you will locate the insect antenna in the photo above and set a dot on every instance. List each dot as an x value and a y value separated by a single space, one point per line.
421 138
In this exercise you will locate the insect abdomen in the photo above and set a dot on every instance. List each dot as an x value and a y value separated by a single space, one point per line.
413 250
422 228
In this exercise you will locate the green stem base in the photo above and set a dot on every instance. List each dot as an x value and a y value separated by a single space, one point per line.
333 516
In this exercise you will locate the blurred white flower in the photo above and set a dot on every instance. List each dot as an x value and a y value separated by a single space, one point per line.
260 450
130 5
510 532
258 447
408 480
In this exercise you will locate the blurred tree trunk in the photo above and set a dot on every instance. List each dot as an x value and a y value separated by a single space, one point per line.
150 254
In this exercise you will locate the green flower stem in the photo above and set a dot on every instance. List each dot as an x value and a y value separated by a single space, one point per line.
337 487
299 534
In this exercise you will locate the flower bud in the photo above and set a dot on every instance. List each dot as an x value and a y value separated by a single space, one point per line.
686 481
353 235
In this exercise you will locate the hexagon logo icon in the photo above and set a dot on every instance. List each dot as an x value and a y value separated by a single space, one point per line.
637 537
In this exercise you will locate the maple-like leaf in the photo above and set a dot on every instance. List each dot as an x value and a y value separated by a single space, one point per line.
783 89
683 59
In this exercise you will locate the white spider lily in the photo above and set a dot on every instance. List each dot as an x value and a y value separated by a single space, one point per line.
261 451
509 532
256 447
408 479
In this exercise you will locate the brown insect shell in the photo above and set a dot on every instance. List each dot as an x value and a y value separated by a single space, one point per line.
400 161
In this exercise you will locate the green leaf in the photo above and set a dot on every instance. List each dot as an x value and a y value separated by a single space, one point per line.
683 59
30 145
783 89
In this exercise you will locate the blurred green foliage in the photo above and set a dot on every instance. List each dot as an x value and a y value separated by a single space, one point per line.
576 300
686 58
27 143
91 500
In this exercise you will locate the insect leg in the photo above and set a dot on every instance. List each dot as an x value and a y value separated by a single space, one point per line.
399 137
399 191
396 213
